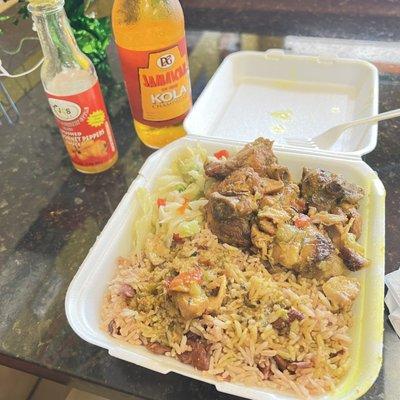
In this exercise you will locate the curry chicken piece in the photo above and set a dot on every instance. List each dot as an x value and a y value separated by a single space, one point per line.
287 199
229 218
233 203
351 213
356 227
257 155
341 290
324 190
234 230
246 180
241 181
331 266
229 211
301 250
353 260
226 207
190 297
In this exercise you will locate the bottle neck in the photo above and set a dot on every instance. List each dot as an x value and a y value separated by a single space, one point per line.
55 33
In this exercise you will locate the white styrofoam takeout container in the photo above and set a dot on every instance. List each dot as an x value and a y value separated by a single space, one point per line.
84 297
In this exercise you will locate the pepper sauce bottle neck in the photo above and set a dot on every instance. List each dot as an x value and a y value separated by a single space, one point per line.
55 34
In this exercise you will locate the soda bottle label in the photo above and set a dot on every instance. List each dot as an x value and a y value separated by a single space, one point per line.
158 84
84 125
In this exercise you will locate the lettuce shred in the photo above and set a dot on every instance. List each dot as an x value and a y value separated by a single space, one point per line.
180 194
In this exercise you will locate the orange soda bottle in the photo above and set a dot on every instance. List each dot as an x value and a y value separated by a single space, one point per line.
150 36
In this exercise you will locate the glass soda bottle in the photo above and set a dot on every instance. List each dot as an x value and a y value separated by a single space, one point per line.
150 36
72 87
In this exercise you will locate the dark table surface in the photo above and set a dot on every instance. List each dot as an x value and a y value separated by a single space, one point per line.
50 215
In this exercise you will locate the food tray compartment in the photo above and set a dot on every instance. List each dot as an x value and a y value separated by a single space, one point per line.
84 297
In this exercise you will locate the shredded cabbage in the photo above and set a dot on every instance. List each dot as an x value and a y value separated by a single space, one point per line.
187 229
182 189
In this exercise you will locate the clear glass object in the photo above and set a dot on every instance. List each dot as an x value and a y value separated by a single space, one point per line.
67 72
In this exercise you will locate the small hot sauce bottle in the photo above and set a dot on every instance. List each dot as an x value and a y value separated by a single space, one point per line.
73 90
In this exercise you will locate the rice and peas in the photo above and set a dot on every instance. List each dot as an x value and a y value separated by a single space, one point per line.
238 335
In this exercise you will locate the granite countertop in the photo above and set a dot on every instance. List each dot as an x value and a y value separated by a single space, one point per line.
50 215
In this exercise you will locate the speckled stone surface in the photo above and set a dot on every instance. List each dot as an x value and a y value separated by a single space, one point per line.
50 215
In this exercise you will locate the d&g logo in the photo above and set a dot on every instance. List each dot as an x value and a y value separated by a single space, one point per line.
166 61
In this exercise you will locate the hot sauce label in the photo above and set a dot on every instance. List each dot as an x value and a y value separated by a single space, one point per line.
158 84
84 125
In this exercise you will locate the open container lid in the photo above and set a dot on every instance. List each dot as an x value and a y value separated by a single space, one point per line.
278 95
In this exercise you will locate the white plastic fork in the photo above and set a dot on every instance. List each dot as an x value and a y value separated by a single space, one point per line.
325 140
